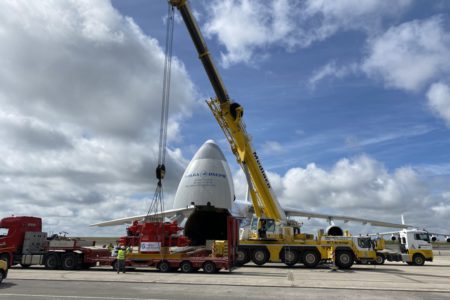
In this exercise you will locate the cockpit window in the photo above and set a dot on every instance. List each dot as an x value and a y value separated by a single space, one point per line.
422 237
4 231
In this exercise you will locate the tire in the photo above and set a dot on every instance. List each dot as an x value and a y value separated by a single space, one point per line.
344 259
2 275
242 256
209 267
379 260
418 260
289 257
186 267
52 262
164 267
311 258
69 261
260 256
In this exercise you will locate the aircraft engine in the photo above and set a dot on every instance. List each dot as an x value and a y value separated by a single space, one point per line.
447 238
334 230
393 238
433 238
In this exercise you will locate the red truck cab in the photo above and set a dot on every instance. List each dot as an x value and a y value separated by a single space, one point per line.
12 234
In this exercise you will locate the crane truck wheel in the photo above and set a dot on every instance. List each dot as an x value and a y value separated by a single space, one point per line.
289 257
260 256
242 256
209 267
52 262
311 258
186 267
418 260
379 260
344 259
164 266
69 261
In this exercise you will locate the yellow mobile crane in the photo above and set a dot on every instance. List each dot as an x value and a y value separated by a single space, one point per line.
272 237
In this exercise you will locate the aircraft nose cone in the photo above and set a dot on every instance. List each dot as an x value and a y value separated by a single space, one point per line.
207 178
209 150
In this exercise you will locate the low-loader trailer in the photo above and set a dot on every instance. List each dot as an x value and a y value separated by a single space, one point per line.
23 242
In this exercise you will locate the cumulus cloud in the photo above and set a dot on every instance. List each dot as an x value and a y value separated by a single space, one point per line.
80 97
439 100
360 186
411 55
248 27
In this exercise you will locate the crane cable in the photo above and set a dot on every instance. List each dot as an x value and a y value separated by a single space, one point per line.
157 205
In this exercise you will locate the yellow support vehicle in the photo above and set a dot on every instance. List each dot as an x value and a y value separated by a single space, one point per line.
3 270
413 247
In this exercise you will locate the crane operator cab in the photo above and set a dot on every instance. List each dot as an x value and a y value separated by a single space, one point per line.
263 229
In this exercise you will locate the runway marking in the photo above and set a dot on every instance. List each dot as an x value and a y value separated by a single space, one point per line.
74 297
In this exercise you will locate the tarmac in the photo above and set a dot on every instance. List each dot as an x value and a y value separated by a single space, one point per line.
271 281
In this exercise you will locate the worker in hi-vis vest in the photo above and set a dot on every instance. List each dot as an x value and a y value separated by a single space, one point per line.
121 259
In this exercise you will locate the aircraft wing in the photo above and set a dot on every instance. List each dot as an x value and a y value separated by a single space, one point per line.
291 212
127 220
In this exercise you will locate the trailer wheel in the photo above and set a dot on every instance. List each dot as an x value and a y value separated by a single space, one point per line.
186 267
69 261
209 267
242 256
418 259
52 262
164 266
344 259
289 257
260 256
379 260
311 258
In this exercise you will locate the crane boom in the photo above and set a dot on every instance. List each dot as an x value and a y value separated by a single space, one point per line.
229 116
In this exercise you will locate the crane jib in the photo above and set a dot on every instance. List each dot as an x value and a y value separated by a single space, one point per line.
203 52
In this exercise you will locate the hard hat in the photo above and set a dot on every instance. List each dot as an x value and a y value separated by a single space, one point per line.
123 247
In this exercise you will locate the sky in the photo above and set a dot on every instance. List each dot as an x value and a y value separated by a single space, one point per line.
347 103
